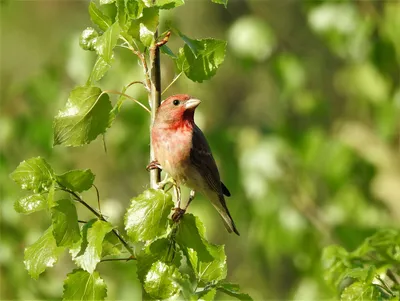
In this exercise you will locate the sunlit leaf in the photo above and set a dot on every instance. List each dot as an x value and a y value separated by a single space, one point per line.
148 20
65 223
81 285
210 55
160 250
361 291
160 281
92 244
77 180
190 235
100 68
214 270
33 174
106 43
42 254
98 17
223 2
31 203
146 36
88 39
147 217
163 4
84 117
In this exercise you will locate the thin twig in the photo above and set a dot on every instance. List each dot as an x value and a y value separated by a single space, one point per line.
82 222
137 82
164 40
118 259
173 81
129 97
80 200
98 198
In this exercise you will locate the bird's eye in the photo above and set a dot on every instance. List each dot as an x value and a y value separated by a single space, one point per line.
176 102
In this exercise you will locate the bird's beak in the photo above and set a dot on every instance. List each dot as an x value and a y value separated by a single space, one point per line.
192 103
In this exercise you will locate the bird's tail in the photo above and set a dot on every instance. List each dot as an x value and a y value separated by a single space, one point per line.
223 211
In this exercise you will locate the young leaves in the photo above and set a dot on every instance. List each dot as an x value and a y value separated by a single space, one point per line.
161 281
42 254
84 117
147 217
81 285
65 223
88 255
31 203
34 174
77 180
200 59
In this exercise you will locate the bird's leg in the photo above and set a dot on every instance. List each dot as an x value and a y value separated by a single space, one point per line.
177 190
153 165
180 212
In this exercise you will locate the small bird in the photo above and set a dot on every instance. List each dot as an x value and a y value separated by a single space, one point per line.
182 151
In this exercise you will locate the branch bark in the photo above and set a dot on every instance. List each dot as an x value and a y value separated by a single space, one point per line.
155 101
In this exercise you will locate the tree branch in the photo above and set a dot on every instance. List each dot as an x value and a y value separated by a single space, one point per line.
155 101
100 217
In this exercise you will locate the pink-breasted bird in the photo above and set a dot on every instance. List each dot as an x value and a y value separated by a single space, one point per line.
183 152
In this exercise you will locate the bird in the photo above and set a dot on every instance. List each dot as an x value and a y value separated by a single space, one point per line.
182 151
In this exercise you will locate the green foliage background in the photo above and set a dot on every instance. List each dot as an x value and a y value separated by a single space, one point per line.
302 116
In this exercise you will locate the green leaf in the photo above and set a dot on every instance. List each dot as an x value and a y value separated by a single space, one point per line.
98 18
134 9
194 45
100 68
149 20
166 50
146 36
106 43
360 291
34 174
84 117
50 195
160 250
65 223
88 39
210 55
42 254
223 2
214 270
147 217
187 288
80 285
111 245
190 235
233 290
164 4
92 244
31 203
160 281
102 2
77 180
207 295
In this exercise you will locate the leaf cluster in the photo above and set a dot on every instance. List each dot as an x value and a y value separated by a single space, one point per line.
371 272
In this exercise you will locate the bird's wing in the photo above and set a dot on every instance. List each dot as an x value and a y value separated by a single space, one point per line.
202 158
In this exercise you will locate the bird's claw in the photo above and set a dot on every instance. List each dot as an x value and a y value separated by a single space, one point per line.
177 215
153 165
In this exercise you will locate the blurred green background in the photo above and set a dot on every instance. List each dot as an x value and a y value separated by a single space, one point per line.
303 119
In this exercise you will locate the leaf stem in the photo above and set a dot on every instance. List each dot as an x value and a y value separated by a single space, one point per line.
173 81
127 96
100 216
118 259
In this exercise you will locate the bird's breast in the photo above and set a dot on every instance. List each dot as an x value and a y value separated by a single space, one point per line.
172 151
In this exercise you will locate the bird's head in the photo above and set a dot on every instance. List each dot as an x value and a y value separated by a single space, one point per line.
177 110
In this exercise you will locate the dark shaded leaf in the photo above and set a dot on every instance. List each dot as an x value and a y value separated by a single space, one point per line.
65 223
77 180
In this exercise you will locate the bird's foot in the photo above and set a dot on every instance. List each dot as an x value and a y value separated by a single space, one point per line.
177 215
153 165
